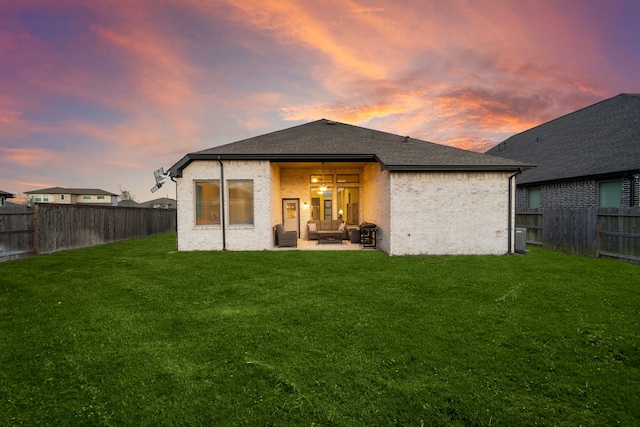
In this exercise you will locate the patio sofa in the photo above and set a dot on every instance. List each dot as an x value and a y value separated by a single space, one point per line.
315 225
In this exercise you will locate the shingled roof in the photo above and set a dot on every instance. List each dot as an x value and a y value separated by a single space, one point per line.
597 141
80 191
326 140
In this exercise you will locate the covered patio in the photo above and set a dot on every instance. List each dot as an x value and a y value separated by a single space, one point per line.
312 245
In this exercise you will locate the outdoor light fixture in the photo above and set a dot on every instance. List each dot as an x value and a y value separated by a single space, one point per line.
323 187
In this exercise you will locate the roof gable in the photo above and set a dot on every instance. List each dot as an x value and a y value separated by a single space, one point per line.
326 140
600 139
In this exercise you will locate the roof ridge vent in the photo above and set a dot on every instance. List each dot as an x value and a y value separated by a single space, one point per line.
331 122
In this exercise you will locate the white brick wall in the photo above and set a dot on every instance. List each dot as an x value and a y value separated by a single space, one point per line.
377 203
238 237
449 213
430 213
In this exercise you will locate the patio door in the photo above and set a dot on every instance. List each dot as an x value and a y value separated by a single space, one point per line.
291 215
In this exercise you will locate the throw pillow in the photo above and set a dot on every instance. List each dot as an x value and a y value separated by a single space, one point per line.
342 226
313 227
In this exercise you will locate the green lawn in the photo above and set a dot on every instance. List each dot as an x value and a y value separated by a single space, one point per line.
134 334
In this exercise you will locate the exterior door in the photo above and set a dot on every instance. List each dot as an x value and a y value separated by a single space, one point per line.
291 215
328 209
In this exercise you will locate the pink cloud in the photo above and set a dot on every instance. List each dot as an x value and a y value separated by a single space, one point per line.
29 157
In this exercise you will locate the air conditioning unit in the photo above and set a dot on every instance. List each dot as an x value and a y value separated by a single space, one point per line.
521 240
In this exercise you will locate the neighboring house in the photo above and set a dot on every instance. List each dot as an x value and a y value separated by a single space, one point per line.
129 203
161 203
74 196
4 196
589 158
425 198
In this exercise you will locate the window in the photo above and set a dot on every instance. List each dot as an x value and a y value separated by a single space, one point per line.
321 206
317 179
348 204
207 202
534 197
86 197
100 197
610 194
62 197
42 197
352 179
241 201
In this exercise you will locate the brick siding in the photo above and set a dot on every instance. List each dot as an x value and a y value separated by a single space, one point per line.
255 237
577 194
449 213
416 213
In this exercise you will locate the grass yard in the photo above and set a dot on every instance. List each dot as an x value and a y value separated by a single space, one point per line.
134 334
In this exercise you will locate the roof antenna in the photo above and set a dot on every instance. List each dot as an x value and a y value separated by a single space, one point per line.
160 177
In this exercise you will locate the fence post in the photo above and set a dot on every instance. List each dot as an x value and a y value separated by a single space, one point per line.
597 234
36 230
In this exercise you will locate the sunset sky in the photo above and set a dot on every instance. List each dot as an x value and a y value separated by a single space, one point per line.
100 93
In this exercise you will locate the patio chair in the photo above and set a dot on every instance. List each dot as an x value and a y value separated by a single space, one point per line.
286 238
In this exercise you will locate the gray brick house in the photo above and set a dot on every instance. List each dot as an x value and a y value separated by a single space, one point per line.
588 158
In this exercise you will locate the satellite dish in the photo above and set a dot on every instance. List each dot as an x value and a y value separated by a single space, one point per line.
161 176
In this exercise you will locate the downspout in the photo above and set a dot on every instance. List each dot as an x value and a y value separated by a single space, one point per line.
510 217
176 182
224 237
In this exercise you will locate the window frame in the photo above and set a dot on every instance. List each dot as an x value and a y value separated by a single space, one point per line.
328 179
600 193
529 192
198 207
344 178
231 210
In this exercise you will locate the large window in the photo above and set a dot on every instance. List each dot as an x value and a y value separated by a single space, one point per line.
321 203
534 197
241 201
207 202
610 194
348 204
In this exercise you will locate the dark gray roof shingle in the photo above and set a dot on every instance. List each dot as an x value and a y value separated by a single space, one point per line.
601 139
81 191
325 140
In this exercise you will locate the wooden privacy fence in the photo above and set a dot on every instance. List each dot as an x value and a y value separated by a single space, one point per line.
51 228
17 237
593 232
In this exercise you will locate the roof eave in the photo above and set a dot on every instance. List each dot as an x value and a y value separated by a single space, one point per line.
457 168
596 177
176 169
